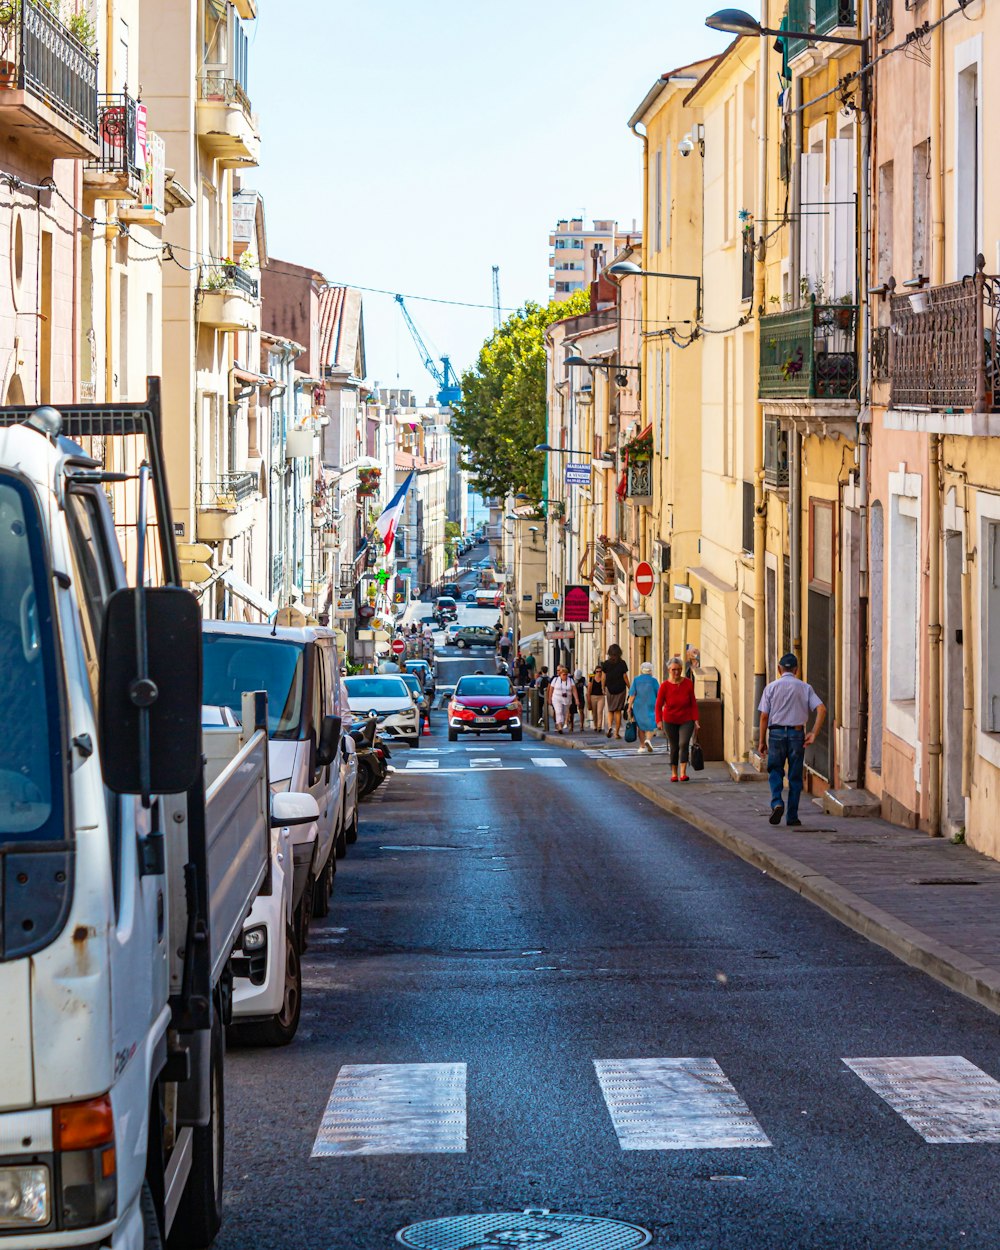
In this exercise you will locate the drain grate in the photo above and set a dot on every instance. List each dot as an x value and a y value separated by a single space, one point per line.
533 1227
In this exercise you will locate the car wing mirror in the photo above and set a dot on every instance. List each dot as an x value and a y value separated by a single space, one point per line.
329 740
291 809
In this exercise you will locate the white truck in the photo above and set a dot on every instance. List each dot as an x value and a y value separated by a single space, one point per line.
127 862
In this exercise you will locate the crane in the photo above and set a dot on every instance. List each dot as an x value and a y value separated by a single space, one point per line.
449 390
496 297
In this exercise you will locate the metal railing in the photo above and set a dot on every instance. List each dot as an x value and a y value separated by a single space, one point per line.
944 345
746 286
117 134
229 278
228 491
277 573
819 16
38 54
639 480
214 85
880 353
810 353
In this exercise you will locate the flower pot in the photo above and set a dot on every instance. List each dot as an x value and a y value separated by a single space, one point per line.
920 302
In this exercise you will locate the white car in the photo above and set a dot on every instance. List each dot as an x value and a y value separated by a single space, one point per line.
386 697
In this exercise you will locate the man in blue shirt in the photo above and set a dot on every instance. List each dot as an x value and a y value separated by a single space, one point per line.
785 708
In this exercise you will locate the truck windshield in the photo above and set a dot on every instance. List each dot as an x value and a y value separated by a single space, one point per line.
31 779
234 664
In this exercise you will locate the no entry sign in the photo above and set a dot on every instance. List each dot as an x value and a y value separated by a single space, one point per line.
398 646
644 578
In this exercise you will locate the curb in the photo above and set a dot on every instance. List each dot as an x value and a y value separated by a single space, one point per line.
953 969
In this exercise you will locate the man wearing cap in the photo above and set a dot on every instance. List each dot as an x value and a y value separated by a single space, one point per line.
785 707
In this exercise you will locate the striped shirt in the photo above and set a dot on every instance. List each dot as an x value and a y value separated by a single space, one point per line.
788 701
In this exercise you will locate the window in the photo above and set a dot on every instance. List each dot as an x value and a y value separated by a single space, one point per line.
885 185
233 663
903 602
968 148
748 516
991 627
658 200
821 544
921 207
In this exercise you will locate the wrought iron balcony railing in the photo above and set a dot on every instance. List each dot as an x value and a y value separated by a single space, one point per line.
39 55
228 491
810 353
223 277
117 133
819 16
216 86
943 345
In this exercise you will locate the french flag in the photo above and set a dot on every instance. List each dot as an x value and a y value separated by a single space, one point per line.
387 522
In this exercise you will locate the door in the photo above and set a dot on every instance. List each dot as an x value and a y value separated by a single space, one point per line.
820 673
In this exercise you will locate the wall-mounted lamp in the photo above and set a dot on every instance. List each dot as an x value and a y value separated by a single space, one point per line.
626 269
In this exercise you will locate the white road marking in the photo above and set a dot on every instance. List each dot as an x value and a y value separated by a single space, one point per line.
945 1098
478 748
487 762
394 1108
675 1104
543 761
421 765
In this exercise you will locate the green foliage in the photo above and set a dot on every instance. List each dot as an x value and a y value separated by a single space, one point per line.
501 418
452 533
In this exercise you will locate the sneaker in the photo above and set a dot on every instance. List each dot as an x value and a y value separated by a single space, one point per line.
793 823
776 814
648 746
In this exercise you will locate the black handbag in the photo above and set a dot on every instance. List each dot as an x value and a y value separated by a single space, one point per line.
631 730
696 756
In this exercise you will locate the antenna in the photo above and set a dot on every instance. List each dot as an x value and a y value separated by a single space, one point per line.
496 297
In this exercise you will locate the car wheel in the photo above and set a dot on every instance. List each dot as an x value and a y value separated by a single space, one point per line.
460 643
452 735
352 831
516 735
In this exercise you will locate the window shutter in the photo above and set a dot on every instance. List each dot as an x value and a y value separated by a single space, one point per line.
841 219
812 215
992 674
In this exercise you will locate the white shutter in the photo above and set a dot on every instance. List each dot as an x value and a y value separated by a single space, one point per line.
812 216
991 701
841 220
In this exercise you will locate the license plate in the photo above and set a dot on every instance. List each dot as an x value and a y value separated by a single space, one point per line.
486 720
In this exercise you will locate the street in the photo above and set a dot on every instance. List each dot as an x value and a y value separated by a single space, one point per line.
511 912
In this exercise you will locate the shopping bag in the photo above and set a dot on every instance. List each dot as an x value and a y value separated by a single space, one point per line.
631 730
696 756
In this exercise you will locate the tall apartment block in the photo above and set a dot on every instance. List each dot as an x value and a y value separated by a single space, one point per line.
571 262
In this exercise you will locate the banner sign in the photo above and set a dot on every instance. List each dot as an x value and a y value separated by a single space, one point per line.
576 603
548 609
578 474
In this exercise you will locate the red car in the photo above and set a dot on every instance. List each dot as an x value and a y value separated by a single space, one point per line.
484 704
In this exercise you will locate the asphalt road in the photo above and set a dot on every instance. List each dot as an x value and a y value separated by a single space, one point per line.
509 908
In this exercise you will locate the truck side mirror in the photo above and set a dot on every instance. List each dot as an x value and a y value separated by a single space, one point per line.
329 740
170 696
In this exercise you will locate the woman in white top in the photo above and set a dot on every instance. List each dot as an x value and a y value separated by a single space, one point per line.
562 695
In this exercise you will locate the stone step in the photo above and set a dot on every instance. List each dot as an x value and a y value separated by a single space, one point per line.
743 770
851 803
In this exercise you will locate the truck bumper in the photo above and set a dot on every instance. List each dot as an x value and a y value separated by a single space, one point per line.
125 1234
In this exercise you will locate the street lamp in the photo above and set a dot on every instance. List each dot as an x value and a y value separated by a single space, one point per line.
627 269
571 451
739 22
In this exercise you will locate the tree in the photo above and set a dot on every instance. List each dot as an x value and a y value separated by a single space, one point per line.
501 417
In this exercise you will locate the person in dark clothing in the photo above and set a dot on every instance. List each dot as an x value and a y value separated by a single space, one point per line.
615 689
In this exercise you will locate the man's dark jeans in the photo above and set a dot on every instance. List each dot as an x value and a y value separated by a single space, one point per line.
786 746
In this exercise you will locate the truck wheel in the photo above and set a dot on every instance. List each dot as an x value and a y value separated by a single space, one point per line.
280 1029
151 1238
452 735
199 1216
323 888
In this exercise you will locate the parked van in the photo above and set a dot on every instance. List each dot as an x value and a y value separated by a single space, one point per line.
300 670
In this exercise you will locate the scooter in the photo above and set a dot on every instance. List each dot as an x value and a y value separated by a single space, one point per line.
372 756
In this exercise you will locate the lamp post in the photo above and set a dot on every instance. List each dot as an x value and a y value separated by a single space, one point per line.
739 22
628 269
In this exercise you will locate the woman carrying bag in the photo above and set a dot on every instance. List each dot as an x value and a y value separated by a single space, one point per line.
562 696
677 716
642 698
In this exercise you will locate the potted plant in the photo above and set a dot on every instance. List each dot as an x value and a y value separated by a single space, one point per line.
844 313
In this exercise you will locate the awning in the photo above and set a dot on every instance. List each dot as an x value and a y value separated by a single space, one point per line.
243 590
531 638
708 578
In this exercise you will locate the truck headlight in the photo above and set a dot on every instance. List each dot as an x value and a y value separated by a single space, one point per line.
24 1196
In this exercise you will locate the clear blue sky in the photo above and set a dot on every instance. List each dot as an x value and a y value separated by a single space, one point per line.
413 146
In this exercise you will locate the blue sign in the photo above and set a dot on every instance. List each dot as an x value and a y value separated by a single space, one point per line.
578 475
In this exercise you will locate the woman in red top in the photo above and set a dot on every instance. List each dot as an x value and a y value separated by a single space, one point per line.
677 716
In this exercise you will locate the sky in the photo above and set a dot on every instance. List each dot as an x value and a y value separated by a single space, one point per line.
412 146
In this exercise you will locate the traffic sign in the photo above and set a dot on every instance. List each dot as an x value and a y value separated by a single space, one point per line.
643 578
398 646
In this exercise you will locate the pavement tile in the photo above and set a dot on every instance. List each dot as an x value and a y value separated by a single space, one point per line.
869 874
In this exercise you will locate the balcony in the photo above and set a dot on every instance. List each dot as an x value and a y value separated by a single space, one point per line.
604 566
639 483
227 128
150 206
117 172
810 353
228 298
942 357
48 83
824 17
226 506
775 454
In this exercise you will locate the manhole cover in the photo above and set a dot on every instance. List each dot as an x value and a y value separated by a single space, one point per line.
523 1228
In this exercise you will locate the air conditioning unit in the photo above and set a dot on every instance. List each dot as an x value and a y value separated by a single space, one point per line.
661 557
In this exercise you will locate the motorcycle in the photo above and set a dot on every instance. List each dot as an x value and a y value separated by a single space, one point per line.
373 756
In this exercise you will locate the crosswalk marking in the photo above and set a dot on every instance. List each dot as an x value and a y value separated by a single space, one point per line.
422 765
487 761
544 761
945 1098
618 753
675 1104
394 1108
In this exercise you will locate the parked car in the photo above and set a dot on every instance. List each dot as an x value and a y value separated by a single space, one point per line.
483 564
483 704
425 671
451 588
387 698
475 636
470 596
300 670
450 630
416 689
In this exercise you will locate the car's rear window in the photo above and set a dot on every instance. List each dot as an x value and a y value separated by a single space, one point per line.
477 686
446 601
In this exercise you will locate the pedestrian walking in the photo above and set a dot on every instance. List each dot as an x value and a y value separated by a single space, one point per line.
615 688
642 705
562 696
677 716
581 699
785 707
521 674
503 646
529 659
595 698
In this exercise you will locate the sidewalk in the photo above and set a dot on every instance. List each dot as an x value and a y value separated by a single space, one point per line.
934 905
